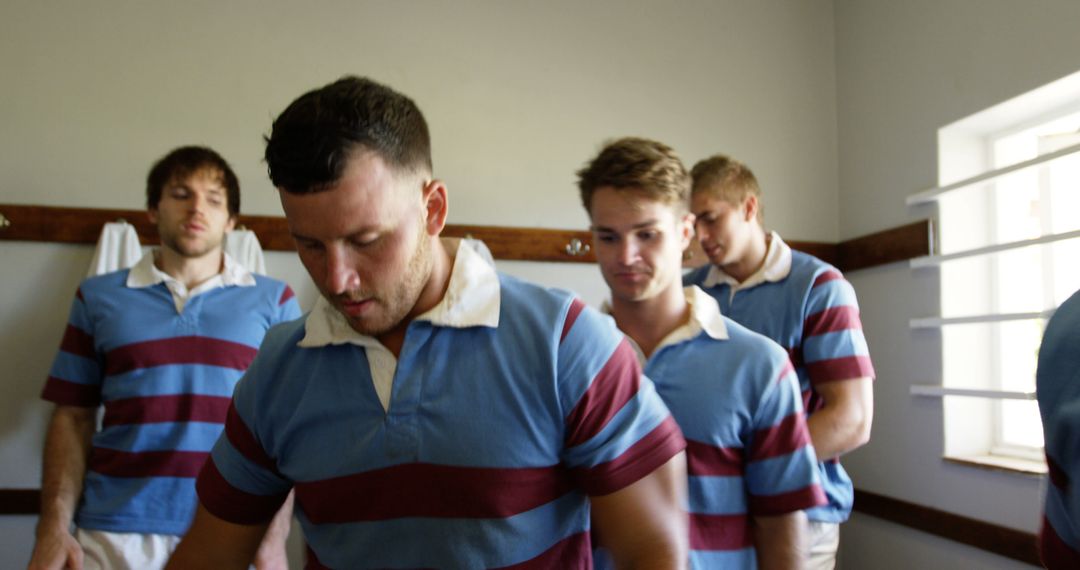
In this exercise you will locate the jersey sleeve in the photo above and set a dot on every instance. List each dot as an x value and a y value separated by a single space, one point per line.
781 466
240 482
617 429
833 345
77 372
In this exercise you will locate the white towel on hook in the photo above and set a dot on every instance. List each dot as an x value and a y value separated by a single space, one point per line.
118 247
244 247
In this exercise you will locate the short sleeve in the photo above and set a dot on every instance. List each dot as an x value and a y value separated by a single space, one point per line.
617 429
76 375
833 345
240 482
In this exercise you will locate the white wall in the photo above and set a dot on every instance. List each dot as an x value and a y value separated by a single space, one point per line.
518 95
905 69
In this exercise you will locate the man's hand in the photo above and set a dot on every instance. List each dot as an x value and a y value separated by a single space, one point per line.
56 549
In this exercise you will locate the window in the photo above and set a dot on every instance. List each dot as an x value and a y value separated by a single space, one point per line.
1009 239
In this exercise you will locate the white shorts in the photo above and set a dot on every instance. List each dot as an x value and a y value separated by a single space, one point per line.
116 550
824 544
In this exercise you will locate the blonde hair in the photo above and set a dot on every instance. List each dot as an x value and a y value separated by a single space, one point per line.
723 177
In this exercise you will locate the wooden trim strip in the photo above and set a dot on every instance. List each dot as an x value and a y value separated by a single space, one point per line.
986 536
83 225
20 501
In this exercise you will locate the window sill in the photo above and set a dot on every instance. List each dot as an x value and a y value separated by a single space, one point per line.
1000 463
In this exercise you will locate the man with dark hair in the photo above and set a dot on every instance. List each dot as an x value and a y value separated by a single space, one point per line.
429 412
806 306
733 392
160 346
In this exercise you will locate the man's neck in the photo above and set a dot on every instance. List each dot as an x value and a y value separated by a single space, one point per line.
753 259
191 271
649 321
442 263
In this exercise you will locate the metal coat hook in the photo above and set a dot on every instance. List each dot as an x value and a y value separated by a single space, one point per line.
4 222
577 248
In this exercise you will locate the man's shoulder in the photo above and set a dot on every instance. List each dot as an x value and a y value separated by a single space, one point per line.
517 293
106 284
752 347
697 275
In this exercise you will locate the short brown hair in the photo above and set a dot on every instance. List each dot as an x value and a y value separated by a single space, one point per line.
315 136
633 163
185 161
726 178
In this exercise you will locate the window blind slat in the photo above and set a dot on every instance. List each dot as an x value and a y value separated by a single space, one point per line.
935 260
933 193
937 322
941 391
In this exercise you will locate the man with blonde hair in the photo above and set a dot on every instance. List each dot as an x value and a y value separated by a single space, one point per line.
806 306
732 391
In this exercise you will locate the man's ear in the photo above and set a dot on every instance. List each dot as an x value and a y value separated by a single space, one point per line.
436 206
152 215
686 230
750 208
231 224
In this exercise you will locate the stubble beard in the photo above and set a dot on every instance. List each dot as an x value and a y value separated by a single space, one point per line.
398 302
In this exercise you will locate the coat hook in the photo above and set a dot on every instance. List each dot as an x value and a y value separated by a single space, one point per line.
4 222
577 248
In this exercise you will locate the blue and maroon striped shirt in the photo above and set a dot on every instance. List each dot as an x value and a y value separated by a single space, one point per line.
492 442
165 380
810 310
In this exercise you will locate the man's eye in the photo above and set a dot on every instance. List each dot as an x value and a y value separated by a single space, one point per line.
607 238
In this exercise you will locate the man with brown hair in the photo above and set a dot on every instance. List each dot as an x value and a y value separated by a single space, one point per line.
429 412
160 346
732 391
806 306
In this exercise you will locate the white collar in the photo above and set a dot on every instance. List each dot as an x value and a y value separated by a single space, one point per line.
146 274
472 300
777 267
704 317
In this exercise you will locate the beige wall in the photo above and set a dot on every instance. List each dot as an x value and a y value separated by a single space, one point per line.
905 69
518 95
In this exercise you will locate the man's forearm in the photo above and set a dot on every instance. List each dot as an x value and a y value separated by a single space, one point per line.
780 541
271 554
67 446
843 424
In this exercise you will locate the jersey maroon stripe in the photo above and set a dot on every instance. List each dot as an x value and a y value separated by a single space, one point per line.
179 350
785 437
1054 552
615 385
231 504
244 441
844 317
705 459
844 368
571 317
642 458
719 532
286 295
160 409
146 463
1058 477
67 393
783 503
78 342
429 490
830 275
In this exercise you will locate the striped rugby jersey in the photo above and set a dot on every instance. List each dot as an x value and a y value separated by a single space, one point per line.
165 380
736 397
1058 390
493 439
806 306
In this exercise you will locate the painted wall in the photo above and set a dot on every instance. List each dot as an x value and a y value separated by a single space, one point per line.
518 96
905 69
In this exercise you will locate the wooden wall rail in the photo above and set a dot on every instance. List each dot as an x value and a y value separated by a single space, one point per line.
83 225
989 537
1000 540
